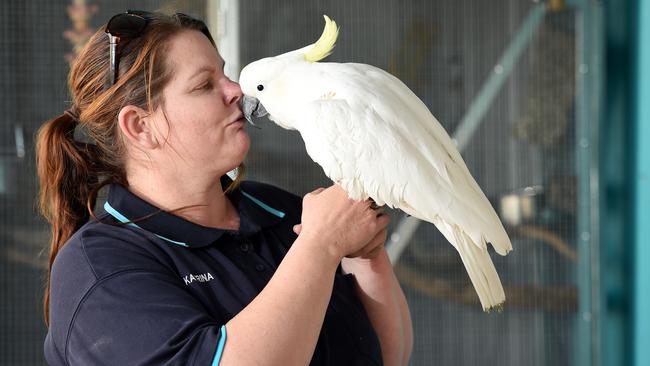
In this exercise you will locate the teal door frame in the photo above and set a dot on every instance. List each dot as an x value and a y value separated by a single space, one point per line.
623 278
612 143
641 182
589 79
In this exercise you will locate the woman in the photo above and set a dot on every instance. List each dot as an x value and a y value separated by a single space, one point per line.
186 266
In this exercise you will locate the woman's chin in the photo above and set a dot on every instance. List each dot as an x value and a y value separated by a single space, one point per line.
239 158
244 142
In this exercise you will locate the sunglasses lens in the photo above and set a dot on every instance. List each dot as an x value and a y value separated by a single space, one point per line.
126 25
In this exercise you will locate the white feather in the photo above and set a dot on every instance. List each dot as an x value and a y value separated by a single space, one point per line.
374 136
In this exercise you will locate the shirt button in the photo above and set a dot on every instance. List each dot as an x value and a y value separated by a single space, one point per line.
244 247
259 267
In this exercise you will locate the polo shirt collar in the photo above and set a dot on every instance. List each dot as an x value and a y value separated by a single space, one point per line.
254 215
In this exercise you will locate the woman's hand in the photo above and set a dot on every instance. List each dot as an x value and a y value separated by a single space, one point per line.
370 251
344 227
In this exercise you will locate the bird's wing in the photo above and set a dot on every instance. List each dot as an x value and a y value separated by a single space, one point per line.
402 155
358 150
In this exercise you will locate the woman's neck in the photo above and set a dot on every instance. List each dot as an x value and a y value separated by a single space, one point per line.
210 206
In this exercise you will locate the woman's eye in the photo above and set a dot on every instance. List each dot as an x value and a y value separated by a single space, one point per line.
204 86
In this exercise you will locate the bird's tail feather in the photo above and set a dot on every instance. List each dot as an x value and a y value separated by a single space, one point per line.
476 259
479 266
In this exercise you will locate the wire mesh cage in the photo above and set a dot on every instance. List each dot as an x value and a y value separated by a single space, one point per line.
500 76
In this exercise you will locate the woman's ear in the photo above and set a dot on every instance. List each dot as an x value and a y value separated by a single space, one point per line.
136 126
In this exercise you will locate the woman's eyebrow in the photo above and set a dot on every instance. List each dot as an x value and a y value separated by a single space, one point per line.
201 70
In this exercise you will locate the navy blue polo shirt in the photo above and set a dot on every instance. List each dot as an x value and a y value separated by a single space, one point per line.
161 290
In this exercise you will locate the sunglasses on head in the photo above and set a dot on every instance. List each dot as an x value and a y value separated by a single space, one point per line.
129 25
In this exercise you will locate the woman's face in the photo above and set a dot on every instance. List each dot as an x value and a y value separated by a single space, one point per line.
200 113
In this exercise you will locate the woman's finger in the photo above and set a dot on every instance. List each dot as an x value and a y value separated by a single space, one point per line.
297 228
376 242
368 252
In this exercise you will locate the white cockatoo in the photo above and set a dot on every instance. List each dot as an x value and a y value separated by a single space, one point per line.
375 138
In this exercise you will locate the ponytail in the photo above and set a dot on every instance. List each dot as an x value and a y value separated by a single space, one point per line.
67 179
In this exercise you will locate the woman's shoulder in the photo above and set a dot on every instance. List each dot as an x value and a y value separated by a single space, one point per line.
100 249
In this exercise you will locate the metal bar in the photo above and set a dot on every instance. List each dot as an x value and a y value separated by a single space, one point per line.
20 141
223 21
502 70
590 70
401 237
473 117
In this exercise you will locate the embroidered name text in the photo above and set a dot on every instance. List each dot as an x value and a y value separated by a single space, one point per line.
202 277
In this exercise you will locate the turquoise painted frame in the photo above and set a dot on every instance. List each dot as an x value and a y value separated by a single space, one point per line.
589 71
641 181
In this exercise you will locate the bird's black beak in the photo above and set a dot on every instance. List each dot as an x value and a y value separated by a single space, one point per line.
252 108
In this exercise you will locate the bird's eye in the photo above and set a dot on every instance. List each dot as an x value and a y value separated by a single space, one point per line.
260 87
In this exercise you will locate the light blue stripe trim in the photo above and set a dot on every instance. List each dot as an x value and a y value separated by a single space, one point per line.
117 215
123 219
222 342
171 241
263 205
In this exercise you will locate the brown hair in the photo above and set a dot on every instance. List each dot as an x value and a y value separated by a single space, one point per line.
71 172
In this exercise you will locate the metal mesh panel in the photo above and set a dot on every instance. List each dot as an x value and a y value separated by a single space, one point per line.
523 151
523 155
34 69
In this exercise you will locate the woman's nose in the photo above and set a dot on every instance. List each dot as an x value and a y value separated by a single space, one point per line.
233 92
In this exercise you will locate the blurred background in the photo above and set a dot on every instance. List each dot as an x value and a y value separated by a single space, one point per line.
548 102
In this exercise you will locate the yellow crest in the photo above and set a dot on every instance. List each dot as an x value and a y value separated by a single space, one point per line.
325 44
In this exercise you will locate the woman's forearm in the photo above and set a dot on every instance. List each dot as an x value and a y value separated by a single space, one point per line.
407 325
284 320
385 304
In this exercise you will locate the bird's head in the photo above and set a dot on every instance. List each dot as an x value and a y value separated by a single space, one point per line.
265 82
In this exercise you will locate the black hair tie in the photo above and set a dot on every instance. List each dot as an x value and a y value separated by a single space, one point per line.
73 113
